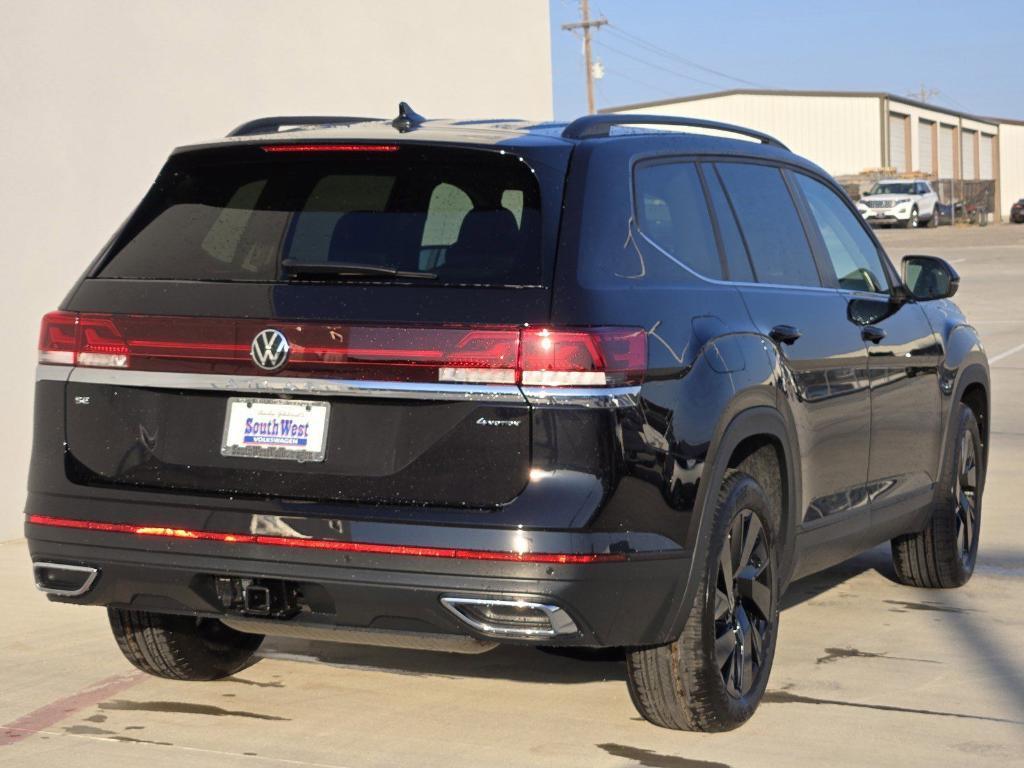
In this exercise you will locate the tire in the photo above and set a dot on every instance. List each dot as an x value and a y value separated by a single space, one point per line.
915 219
695 683
943 555
182 647
933 220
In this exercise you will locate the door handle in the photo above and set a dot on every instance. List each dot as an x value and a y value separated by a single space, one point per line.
785 334
872 333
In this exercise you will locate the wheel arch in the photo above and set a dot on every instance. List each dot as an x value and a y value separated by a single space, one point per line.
754 438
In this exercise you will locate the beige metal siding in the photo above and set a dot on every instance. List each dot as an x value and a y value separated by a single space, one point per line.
898 142
968 140
1011 164
985 157
946 154
925 129
843 134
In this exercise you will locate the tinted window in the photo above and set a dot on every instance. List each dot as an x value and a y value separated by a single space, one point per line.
732 241
673 212
770 224
471 217
853 254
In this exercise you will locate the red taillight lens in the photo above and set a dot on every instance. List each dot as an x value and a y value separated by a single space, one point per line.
595 357
57 338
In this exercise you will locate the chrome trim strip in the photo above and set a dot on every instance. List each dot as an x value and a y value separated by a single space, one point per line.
560 621
298 386
48 372
731 283
86 586
586 397
420 641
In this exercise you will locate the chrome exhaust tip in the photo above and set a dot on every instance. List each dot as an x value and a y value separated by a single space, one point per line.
64 580
511 618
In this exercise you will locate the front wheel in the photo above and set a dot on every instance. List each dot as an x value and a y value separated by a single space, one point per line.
182 647
915 219
944 553
713 677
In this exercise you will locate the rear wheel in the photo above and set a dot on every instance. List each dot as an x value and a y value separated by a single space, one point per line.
933 220
944 553
182 647
712 678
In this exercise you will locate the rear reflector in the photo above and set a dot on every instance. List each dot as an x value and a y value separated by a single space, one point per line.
498 355
330 148
329 544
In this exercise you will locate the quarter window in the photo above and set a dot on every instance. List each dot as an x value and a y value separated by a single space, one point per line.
775 238
853 254
673 212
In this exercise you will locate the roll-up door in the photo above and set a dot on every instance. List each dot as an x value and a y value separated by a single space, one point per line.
946 152
925 146
898 142
967 145
985 158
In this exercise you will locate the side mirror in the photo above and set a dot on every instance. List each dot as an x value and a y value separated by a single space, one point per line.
929 277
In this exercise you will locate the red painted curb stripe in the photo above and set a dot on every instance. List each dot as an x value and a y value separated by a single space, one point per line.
50 714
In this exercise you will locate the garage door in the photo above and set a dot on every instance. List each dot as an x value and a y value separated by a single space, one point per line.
967 153
985 158
945 151
924 145
898 142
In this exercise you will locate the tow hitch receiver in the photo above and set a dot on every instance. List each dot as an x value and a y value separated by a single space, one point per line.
258 597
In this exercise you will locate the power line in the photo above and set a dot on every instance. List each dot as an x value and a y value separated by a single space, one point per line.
640 42
641 83
653 65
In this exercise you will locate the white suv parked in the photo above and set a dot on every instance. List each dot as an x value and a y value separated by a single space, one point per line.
903 202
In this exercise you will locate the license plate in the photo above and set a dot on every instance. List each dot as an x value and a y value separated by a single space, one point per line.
295 430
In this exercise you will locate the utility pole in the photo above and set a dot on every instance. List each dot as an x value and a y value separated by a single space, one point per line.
924 95
586 25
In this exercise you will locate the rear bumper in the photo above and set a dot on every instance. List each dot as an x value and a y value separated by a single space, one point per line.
613 602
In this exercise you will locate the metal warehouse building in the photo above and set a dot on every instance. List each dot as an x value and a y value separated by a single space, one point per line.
869 134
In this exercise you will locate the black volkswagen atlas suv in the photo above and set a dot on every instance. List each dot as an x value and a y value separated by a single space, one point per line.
445 385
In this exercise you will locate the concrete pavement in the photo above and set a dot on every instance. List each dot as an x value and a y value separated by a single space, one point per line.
867 673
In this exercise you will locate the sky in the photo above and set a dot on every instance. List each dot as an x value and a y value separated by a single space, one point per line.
969 53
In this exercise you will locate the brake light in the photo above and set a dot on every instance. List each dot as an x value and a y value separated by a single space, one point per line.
591 357
330 148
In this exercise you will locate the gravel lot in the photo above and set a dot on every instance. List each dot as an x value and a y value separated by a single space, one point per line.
867 673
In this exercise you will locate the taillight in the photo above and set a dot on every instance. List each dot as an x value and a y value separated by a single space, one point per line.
597 357
57 338
591 357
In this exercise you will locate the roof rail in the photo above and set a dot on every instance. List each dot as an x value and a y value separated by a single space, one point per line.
274 124
597 126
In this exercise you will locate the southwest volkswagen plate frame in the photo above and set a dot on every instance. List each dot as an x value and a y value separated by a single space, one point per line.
316 451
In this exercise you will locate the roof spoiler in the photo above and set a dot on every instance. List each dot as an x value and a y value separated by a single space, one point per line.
275 124
599 126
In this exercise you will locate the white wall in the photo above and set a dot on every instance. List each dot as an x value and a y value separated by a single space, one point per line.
841 134
95 94
1011 164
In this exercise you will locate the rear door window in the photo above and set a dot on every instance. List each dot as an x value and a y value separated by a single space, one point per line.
775 237
732 241
673 212
469 216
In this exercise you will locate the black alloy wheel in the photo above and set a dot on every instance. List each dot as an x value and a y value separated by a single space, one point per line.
743 602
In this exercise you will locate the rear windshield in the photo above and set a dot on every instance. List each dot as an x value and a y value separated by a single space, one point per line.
467 216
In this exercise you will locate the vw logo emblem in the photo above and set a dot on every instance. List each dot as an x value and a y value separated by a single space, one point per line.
269 349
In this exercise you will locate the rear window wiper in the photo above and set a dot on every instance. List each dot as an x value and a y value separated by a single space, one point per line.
296 268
